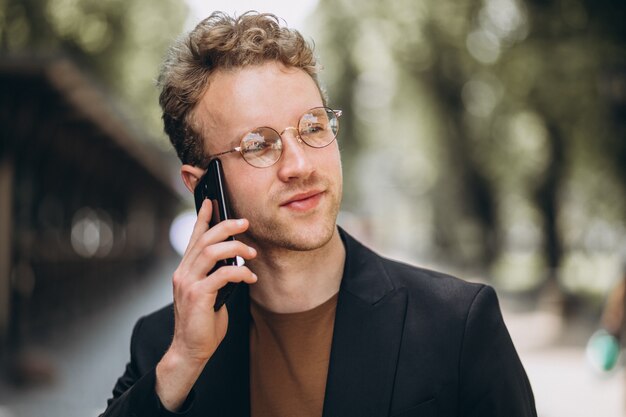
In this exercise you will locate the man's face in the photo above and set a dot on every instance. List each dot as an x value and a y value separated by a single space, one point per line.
292 204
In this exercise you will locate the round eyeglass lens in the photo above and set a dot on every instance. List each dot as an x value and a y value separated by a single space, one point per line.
318 127
262 147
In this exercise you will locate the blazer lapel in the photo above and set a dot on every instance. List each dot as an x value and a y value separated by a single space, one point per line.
366 339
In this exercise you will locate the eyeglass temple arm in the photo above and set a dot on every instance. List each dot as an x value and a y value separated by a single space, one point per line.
237 149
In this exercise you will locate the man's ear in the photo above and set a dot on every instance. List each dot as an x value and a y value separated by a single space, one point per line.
191 176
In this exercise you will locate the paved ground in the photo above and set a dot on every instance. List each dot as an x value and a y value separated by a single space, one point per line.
565 385
90 356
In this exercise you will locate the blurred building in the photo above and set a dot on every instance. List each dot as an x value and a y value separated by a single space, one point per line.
83 196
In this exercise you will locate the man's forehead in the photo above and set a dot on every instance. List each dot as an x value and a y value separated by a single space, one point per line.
241 99
209 122
257 86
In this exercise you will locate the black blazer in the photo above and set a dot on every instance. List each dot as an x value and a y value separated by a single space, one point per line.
407 342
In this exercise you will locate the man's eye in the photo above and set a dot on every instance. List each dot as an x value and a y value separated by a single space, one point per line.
313 129
254 146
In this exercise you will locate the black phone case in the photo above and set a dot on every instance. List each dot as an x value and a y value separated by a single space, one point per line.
212 186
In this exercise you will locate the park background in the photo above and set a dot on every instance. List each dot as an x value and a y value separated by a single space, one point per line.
484 138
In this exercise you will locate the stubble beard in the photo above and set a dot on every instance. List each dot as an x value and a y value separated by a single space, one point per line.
282 232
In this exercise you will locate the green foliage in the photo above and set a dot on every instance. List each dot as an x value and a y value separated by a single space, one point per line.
511 111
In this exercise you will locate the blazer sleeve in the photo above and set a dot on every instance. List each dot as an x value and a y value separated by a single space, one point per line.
493 382
134 393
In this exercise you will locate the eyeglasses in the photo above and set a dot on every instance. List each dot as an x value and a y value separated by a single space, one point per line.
263 146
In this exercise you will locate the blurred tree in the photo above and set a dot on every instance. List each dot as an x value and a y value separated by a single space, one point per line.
519 107
571 45
122 42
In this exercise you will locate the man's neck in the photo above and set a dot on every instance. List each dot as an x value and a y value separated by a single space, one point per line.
293 281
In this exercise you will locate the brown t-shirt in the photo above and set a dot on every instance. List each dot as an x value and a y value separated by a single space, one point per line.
289 356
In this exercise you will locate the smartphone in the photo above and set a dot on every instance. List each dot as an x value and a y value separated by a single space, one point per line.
213 187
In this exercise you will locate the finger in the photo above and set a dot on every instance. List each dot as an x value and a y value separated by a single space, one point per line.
223 276
218 233
202 223
224 230
210 255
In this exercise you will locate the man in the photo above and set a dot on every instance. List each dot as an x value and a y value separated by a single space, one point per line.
321 325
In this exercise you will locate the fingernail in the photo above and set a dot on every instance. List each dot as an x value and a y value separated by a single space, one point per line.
251 250
255 277
240 222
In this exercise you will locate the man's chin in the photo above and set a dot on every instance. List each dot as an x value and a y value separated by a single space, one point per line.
310 244
299 239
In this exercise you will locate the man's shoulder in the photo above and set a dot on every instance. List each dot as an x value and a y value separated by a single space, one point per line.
157 327
158 319
438 295
152 335
373 273
427 282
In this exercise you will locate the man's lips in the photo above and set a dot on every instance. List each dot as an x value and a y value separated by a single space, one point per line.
303 201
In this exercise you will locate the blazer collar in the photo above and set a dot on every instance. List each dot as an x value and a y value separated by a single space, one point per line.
364 275
366 339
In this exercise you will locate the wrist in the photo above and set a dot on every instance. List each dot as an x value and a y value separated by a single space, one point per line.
175 376
176 358
179 356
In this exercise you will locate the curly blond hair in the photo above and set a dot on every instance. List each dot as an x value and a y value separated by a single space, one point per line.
221 42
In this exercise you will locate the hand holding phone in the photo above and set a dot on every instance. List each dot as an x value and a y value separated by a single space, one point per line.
200 324
212 186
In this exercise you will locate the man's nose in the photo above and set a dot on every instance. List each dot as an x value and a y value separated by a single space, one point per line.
295 161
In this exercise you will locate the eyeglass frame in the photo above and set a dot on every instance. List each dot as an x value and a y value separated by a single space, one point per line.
239 148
